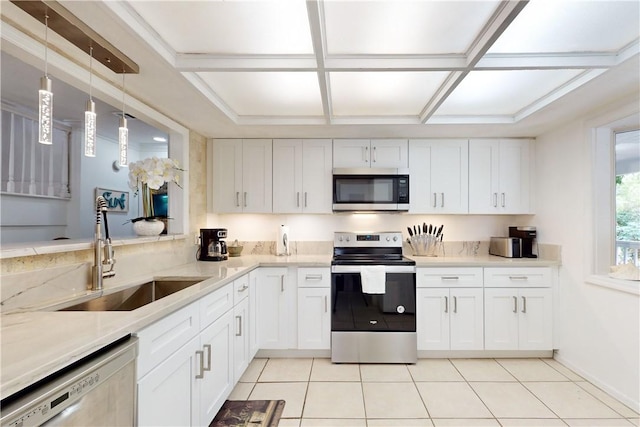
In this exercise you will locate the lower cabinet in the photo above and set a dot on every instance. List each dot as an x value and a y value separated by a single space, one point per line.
276 305
314 318
518 319
449 319
241 351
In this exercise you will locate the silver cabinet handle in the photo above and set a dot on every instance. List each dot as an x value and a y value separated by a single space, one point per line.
201 354
365 154
325 304
208 348
435 199
239 333
237 199
455 304
446 304
298 199
450 278
282 283
313 277
374 155
518 277
495 200
515 304
442 201
524 304
245 199
305 199
503 200
243 288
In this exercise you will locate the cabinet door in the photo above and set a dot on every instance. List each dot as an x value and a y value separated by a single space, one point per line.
217 374
536 319
167 395
254 340
227 175
257 175
420 194
273 310
317 190
287 175
241 356
466 320
450 176
501 319
484 175
389 153
351 153
514 176
314 318
432 318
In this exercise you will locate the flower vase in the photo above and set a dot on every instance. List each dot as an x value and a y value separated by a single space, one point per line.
148 227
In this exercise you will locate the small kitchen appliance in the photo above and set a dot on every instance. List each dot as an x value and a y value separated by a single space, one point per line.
212 244
508 247
373 299
370 189
527 236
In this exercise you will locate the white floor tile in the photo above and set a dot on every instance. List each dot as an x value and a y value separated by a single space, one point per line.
511 400
598 422
292 393
334 400
254 370
423 422
241 391
385 373
286 370
611 402
563 370
531 370
486 422
568 400
434 370
482 370
324 370
289 422
532 422
452 400
393 400
328 422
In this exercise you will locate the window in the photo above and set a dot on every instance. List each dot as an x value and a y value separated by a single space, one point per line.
627 197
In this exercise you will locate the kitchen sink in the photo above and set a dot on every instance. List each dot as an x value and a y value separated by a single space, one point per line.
133 297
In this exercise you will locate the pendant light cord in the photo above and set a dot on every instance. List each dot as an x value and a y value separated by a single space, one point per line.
46 43
90 71
123 73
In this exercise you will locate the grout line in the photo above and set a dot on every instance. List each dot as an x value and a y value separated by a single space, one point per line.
474 391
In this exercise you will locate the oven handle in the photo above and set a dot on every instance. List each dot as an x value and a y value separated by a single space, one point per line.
411 269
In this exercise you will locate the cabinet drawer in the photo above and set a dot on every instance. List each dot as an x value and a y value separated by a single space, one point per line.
240 289
314 277
449 277
215 305
537 277
161 339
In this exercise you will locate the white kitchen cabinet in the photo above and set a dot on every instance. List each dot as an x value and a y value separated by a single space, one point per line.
518 309
314 308
276 303
302 171
241 350
241 171
254 341
374 153
499 176
439 176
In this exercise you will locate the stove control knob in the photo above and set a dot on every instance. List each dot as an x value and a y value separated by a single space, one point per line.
388 239
395 238
340 238
348 238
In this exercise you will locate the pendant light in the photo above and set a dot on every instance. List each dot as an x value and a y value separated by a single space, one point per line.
90 116
45 98
123 134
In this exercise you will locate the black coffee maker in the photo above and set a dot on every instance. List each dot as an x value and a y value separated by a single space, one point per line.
527 236
212 245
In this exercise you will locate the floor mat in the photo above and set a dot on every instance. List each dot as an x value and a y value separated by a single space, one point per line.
249 413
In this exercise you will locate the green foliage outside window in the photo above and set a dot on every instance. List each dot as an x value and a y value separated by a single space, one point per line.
628 207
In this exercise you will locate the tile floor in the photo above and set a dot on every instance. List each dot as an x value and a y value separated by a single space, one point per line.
433 392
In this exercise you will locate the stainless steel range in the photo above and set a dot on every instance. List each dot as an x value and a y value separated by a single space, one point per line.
373 291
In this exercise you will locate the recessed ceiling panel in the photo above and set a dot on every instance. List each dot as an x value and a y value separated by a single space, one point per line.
267 93
404 27
383 93
485 93
571 26
230 27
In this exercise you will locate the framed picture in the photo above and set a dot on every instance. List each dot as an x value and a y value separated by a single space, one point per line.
117 201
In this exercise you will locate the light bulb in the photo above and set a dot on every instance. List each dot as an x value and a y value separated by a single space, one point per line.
45 112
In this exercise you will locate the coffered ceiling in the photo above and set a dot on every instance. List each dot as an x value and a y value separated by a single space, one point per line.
263 68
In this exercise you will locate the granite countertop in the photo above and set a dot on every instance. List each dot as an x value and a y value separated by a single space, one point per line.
38 343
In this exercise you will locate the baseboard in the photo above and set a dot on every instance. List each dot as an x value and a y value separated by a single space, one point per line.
483 354
293 354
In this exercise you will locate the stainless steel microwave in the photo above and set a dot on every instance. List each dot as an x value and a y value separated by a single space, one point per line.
371 189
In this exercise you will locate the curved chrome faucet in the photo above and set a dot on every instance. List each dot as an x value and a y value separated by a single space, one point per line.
100 244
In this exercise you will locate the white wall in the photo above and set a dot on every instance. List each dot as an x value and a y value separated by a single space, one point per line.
599 327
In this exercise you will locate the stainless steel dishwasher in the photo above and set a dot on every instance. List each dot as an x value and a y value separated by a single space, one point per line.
99 390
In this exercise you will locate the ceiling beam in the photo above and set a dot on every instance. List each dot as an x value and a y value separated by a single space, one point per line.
316 26
79 34
211 62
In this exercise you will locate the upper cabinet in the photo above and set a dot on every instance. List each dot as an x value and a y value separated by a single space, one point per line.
370 153
302 175
499 181
242 175
439 176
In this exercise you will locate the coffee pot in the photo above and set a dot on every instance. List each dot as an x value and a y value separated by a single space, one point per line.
212 245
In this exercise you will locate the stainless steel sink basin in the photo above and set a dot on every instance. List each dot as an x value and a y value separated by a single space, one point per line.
133 297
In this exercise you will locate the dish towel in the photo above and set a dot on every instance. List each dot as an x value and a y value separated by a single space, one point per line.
374 278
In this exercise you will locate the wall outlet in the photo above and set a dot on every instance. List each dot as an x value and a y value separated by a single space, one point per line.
196 241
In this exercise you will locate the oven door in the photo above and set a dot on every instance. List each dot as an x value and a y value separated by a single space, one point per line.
356 311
